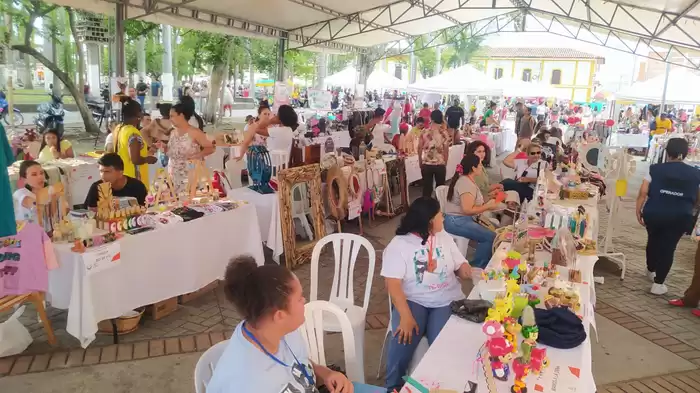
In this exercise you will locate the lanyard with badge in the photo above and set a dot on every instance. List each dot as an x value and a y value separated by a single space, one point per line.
432 264
308 376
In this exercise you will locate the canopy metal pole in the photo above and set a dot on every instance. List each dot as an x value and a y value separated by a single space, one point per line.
120 16
280 59
663 95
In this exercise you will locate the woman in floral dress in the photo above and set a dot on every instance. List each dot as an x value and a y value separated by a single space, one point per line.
187 143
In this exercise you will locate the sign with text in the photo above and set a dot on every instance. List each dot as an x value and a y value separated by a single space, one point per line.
281 96
320 99
101 258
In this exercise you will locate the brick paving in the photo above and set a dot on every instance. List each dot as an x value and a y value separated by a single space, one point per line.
199 324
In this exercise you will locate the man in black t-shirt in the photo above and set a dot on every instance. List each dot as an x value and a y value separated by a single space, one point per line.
112 171
141 90
455 119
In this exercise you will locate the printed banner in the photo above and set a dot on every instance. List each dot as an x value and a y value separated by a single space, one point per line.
101 258
320 99
281 96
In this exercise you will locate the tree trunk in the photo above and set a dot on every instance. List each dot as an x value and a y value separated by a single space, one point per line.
217 77
90 125
79 50
28 74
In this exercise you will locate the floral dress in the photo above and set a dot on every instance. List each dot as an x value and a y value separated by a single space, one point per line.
180 149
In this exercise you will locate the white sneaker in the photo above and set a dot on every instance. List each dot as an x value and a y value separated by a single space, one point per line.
651 275
659 289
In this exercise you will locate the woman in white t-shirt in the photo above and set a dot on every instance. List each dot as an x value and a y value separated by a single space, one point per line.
463 206
420 265
32 175
527 165
278 129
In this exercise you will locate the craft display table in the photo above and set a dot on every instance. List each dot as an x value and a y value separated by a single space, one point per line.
503 141
451 360
79 174
152 266
267 206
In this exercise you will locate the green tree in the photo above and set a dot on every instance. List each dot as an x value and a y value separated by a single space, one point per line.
264 56
300 63
339 62
27 12
463 48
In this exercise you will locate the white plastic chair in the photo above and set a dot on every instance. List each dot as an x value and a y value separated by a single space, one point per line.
461 241
279 159
301 206
346 247
206 364
316 314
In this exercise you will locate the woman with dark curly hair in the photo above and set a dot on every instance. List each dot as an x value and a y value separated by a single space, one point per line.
483 152
420 266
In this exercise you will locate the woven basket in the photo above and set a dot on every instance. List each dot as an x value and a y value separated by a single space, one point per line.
125 325
576 194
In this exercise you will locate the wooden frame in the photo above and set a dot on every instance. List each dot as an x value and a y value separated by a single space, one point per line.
399 165
287 178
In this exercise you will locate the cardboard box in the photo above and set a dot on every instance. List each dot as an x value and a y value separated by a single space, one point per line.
163 308
199 293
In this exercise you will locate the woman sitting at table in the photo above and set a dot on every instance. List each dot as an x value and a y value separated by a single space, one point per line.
186 143
53 147
483 151
665 204
267 352
464 205
421 265
527 168
32 175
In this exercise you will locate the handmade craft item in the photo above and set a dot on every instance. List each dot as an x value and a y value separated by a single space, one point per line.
201 189
117 214
499 349
52 206
259 169
530 332
162 190
511 329
538 360
521 369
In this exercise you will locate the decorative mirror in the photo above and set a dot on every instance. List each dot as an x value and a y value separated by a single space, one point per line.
397 189
301 212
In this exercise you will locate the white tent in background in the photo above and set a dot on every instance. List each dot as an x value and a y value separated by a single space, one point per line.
682 89
346 78
462 80
519 88
379 79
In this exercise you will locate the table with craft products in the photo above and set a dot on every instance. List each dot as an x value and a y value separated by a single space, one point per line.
459 342
149 267
451 361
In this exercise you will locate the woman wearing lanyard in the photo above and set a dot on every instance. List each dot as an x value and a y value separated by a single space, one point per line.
665 204
266 352
420 265
433 149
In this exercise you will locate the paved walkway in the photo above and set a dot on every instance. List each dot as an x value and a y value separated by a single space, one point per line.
197 325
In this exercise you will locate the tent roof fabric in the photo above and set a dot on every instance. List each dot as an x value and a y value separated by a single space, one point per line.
537 53
462 80
644 27
650 91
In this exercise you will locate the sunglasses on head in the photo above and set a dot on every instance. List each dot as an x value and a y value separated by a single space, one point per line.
534 153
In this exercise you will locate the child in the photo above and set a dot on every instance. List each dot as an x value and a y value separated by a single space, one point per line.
32 178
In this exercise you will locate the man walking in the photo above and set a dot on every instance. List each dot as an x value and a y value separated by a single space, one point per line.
141 89
455 118
527 124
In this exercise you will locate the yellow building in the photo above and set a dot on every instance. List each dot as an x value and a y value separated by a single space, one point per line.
567 69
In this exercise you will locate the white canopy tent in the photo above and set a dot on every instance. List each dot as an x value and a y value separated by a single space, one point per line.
462 80
377 80
519 88
682 89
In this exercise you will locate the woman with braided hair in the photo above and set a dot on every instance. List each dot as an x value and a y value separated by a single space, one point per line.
130 144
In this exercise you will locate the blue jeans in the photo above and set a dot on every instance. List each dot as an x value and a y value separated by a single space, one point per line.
465 226
430 322
142 101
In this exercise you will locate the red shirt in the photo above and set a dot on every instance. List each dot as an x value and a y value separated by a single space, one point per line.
407 108
425 114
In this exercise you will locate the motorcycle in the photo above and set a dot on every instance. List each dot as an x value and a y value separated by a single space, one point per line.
101 109
50 115
5 114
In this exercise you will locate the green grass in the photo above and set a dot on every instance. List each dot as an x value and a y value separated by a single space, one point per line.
35 96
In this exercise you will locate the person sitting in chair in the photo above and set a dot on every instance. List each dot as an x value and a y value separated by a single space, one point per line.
112 171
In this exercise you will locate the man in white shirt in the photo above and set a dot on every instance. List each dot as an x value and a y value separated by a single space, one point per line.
541 112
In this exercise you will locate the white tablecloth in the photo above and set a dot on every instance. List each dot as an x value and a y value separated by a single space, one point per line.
450 361
639 141
154 266
268 209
